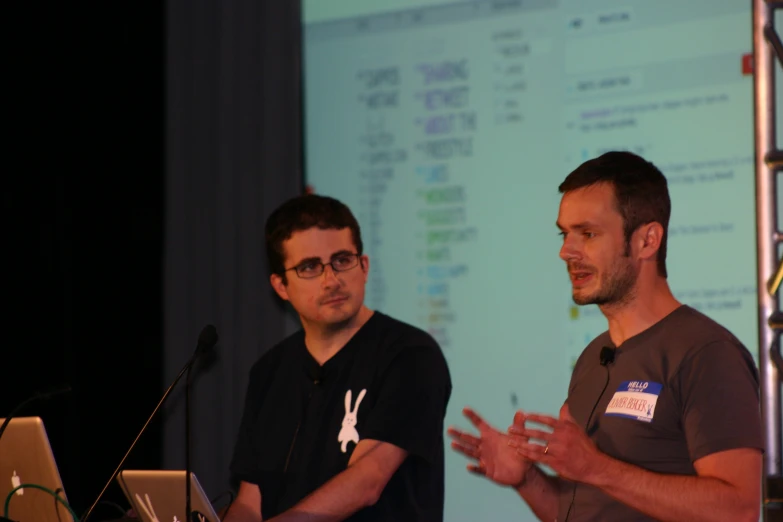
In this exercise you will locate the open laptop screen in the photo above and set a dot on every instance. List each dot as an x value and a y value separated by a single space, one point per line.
159 495
26 458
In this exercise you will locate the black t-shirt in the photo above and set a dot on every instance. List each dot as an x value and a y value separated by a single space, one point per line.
298 428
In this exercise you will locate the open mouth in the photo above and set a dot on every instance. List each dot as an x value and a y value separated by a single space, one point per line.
580 278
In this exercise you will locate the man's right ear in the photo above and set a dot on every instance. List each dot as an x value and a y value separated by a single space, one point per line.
279 286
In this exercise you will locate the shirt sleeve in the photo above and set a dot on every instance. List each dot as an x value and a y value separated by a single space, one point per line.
411 405
720 400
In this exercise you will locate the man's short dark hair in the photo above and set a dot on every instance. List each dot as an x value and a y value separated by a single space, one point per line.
303 213
640 189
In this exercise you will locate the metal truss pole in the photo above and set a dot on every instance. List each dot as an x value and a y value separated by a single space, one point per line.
766 47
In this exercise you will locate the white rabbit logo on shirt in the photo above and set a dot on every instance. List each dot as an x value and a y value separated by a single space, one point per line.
348 432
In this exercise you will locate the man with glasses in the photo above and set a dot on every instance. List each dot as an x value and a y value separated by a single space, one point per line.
344 419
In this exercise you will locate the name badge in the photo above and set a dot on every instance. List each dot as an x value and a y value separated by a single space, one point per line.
635 400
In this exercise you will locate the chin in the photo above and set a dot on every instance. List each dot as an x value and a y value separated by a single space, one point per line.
580 301
583 299
335 316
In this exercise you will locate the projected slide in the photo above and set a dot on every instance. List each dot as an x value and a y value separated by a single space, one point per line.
447 127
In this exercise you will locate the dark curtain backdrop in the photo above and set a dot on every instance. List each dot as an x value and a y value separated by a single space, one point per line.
119 111
82 211
232 155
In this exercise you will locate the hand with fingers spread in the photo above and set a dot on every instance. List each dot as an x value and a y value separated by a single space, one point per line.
566 449
494 456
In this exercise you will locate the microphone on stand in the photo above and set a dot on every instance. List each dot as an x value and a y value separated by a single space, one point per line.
206 341
39 396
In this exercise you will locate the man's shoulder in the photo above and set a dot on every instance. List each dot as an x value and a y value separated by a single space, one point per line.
698 323
389 338
273 357
687 331
393 334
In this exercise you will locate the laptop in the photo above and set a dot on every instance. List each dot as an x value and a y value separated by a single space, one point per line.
26 458
159 496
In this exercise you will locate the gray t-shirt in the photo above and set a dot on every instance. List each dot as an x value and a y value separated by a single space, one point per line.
678 391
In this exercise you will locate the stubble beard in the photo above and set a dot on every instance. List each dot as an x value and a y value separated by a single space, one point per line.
618 287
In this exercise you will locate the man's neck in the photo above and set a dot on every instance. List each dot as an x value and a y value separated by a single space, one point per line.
323 342
650 304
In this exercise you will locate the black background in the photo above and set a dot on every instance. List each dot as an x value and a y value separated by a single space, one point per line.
83 208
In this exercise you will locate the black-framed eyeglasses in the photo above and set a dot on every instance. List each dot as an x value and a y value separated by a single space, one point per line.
314 268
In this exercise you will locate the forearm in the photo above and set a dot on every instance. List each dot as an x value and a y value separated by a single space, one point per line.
339 498
540 492
240 513
673 497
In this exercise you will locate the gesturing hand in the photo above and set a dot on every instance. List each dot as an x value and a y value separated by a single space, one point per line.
491 452
566 449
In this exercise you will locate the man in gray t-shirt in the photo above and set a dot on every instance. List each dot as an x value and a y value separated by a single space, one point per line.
662 417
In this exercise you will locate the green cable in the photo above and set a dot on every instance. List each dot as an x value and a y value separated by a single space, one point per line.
42 488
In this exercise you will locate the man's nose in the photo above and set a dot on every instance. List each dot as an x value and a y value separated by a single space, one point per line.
570 250
329 278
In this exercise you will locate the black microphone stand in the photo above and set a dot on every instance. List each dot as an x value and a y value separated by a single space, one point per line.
133 444
206 341
187 449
